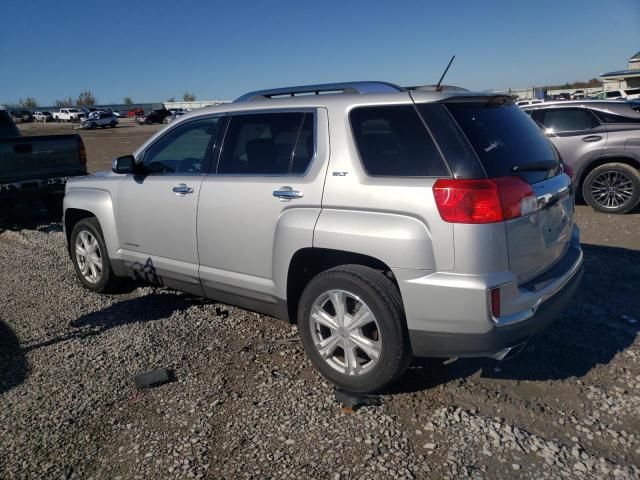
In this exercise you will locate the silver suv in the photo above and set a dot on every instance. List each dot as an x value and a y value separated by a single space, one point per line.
387 223
600 141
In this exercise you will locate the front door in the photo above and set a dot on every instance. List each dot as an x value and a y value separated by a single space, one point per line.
260 205
156 212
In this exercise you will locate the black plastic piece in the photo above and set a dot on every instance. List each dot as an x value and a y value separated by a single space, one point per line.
153 378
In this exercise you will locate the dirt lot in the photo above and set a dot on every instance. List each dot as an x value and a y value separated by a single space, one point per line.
102 144
246 403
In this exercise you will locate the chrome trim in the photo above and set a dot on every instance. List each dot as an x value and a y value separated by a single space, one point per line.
182 189
524 315
287 193
346 87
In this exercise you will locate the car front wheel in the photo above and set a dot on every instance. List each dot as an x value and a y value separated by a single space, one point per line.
90 257
612 188
353 328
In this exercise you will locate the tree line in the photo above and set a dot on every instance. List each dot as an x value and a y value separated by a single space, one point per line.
87 98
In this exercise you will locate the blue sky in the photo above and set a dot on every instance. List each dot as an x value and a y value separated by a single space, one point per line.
153 50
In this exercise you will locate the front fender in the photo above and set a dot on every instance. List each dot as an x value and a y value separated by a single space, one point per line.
99 203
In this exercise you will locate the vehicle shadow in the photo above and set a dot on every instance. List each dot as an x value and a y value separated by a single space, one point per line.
13 363
147 308
30 217
602 320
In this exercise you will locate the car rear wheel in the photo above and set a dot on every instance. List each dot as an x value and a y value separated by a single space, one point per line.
353 328
112 124
612 188
90 257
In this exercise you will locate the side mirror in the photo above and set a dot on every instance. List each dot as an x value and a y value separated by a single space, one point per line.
125 164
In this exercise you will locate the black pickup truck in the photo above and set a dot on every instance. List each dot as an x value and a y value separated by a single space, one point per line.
36 168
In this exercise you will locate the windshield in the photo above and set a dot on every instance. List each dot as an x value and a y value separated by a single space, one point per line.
506 140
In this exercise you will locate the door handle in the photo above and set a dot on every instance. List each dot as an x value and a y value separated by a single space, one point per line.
182 189
287 193
592 138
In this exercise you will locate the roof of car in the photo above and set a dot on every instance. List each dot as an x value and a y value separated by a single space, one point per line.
615 106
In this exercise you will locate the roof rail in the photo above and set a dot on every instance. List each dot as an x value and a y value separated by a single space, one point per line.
346 87
435 88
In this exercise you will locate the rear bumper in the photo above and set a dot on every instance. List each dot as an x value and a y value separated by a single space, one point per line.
449 314
498 338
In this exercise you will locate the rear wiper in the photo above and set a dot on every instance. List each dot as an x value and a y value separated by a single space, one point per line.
536 166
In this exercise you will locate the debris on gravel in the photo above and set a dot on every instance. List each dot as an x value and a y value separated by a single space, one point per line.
246 403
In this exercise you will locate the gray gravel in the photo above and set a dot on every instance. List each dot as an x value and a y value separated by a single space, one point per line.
247 404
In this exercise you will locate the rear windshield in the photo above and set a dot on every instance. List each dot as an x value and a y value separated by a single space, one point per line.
506 140
7 127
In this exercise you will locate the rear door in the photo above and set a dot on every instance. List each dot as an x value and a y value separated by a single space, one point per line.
508 143
576 132
264 196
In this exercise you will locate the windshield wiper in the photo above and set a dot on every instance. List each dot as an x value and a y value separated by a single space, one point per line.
536 166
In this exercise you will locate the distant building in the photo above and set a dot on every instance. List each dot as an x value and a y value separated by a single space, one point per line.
629 78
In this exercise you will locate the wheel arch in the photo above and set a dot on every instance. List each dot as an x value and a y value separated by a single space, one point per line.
603 160
306 263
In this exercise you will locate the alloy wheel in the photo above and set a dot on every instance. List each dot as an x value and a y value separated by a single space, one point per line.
345 332
612 189
88 256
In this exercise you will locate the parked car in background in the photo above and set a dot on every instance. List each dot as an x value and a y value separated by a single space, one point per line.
36 168
135 112
626 94
528 102
174 115
21 116
116 113
68 115
600 141
45 116
578 94
100 119
155 116
386 223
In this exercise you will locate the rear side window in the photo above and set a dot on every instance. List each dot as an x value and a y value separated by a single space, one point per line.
505 140
268 144
607 117
566 119
393 141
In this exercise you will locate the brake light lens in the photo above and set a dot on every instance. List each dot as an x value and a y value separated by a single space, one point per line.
568 170
495 302
82 152
487 200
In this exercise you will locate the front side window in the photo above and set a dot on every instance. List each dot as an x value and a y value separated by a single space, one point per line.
567 119
268 144
393 141
183 150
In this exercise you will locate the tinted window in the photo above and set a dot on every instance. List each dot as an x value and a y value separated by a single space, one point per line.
393 141
505 140
607 117
265 144
567 119
304 149
183 150
613 94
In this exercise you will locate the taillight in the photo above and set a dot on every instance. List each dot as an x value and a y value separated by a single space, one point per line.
484 200
495 302
82 152
568 170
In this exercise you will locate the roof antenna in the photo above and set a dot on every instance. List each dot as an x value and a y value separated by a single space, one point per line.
438 87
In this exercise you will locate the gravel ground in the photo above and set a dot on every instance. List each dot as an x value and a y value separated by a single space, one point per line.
245 402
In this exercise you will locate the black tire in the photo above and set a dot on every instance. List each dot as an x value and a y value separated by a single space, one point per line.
93 126
112 124
54 207
383 300
108 282
624 175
